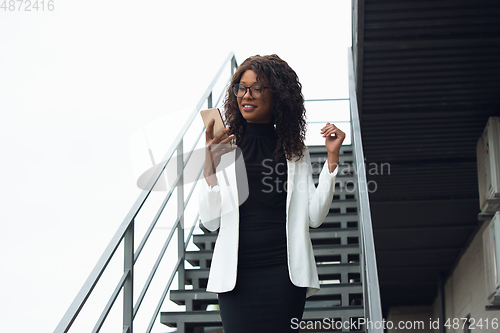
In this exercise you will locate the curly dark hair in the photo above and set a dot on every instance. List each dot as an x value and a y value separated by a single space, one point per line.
288 109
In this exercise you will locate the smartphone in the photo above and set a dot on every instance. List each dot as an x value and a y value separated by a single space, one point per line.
210 114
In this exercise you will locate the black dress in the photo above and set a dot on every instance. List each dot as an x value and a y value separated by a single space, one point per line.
264 299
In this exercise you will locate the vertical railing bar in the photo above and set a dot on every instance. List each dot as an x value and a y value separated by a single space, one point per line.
155 219
128 288
192 188
234 65
180 214
155 267
223 91
191 231
193 147
163 295
111 301
126 330
372 285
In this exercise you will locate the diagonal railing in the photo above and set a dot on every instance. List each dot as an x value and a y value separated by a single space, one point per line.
368 261
125 233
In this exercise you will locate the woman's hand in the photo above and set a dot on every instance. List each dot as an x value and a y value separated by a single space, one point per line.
332 144
215 148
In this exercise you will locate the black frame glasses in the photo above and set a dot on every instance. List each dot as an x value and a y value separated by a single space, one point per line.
238 88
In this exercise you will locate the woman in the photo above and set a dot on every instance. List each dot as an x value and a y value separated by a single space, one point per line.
263 265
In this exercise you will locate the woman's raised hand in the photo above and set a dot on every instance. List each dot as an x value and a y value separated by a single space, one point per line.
215 148
332 143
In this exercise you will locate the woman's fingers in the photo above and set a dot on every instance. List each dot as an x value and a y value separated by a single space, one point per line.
229 138
221 134
220 148
209 132
217 139
330 129
327 127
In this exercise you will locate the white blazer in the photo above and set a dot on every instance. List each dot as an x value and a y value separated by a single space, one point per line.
306 206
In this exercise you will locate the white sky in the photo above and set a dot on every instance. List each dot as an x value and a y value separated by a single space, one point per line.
76 86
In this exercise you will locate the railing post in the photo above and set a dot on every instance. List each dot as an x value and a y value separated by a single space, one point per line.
368 260
209 101
233 65
128 288
180 213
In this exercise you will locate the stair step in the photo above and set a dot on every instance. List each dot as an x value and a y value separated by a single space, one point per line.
327 272
207 241
212 318
322 253
347 220
201 297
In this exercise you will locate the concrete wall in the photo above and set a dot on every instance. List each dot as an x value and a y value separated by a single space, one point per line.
412 319
465 291
465 294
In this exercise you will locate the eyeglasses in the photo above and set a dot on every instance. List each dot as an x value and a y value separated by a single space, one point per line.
256 91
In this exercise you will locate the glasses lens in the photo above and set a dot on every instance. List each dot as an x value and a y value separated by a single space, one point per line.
239 90
256 91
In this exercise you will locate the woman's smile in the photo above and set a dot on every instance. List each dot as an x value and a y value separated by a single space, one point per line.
248 107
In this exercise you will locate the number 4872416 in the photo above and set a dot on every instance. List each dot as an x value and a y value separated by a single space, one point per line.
27 5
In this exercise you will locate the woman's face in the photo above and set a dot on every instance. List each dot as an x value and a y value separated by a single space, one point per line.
255 110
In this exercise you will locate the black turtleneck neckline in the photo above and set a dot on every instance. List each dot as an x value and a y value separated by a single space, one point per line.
260 129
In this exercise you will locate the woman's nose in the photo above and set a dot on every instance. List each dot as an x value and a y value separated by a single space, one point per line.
247 94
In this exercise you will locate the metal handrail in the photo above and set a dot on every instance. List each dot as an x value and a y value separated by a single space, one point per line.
368 261
125 232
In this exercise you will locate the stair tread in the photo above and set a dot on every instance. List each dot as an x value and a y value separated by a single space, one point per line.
201 296
315 247
320 266
331 218
213 317
322 286
325 272
316 233
311 230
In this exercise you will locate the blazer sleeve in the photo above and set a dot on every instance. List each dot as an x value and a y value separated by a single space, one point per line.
209 204
320 198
